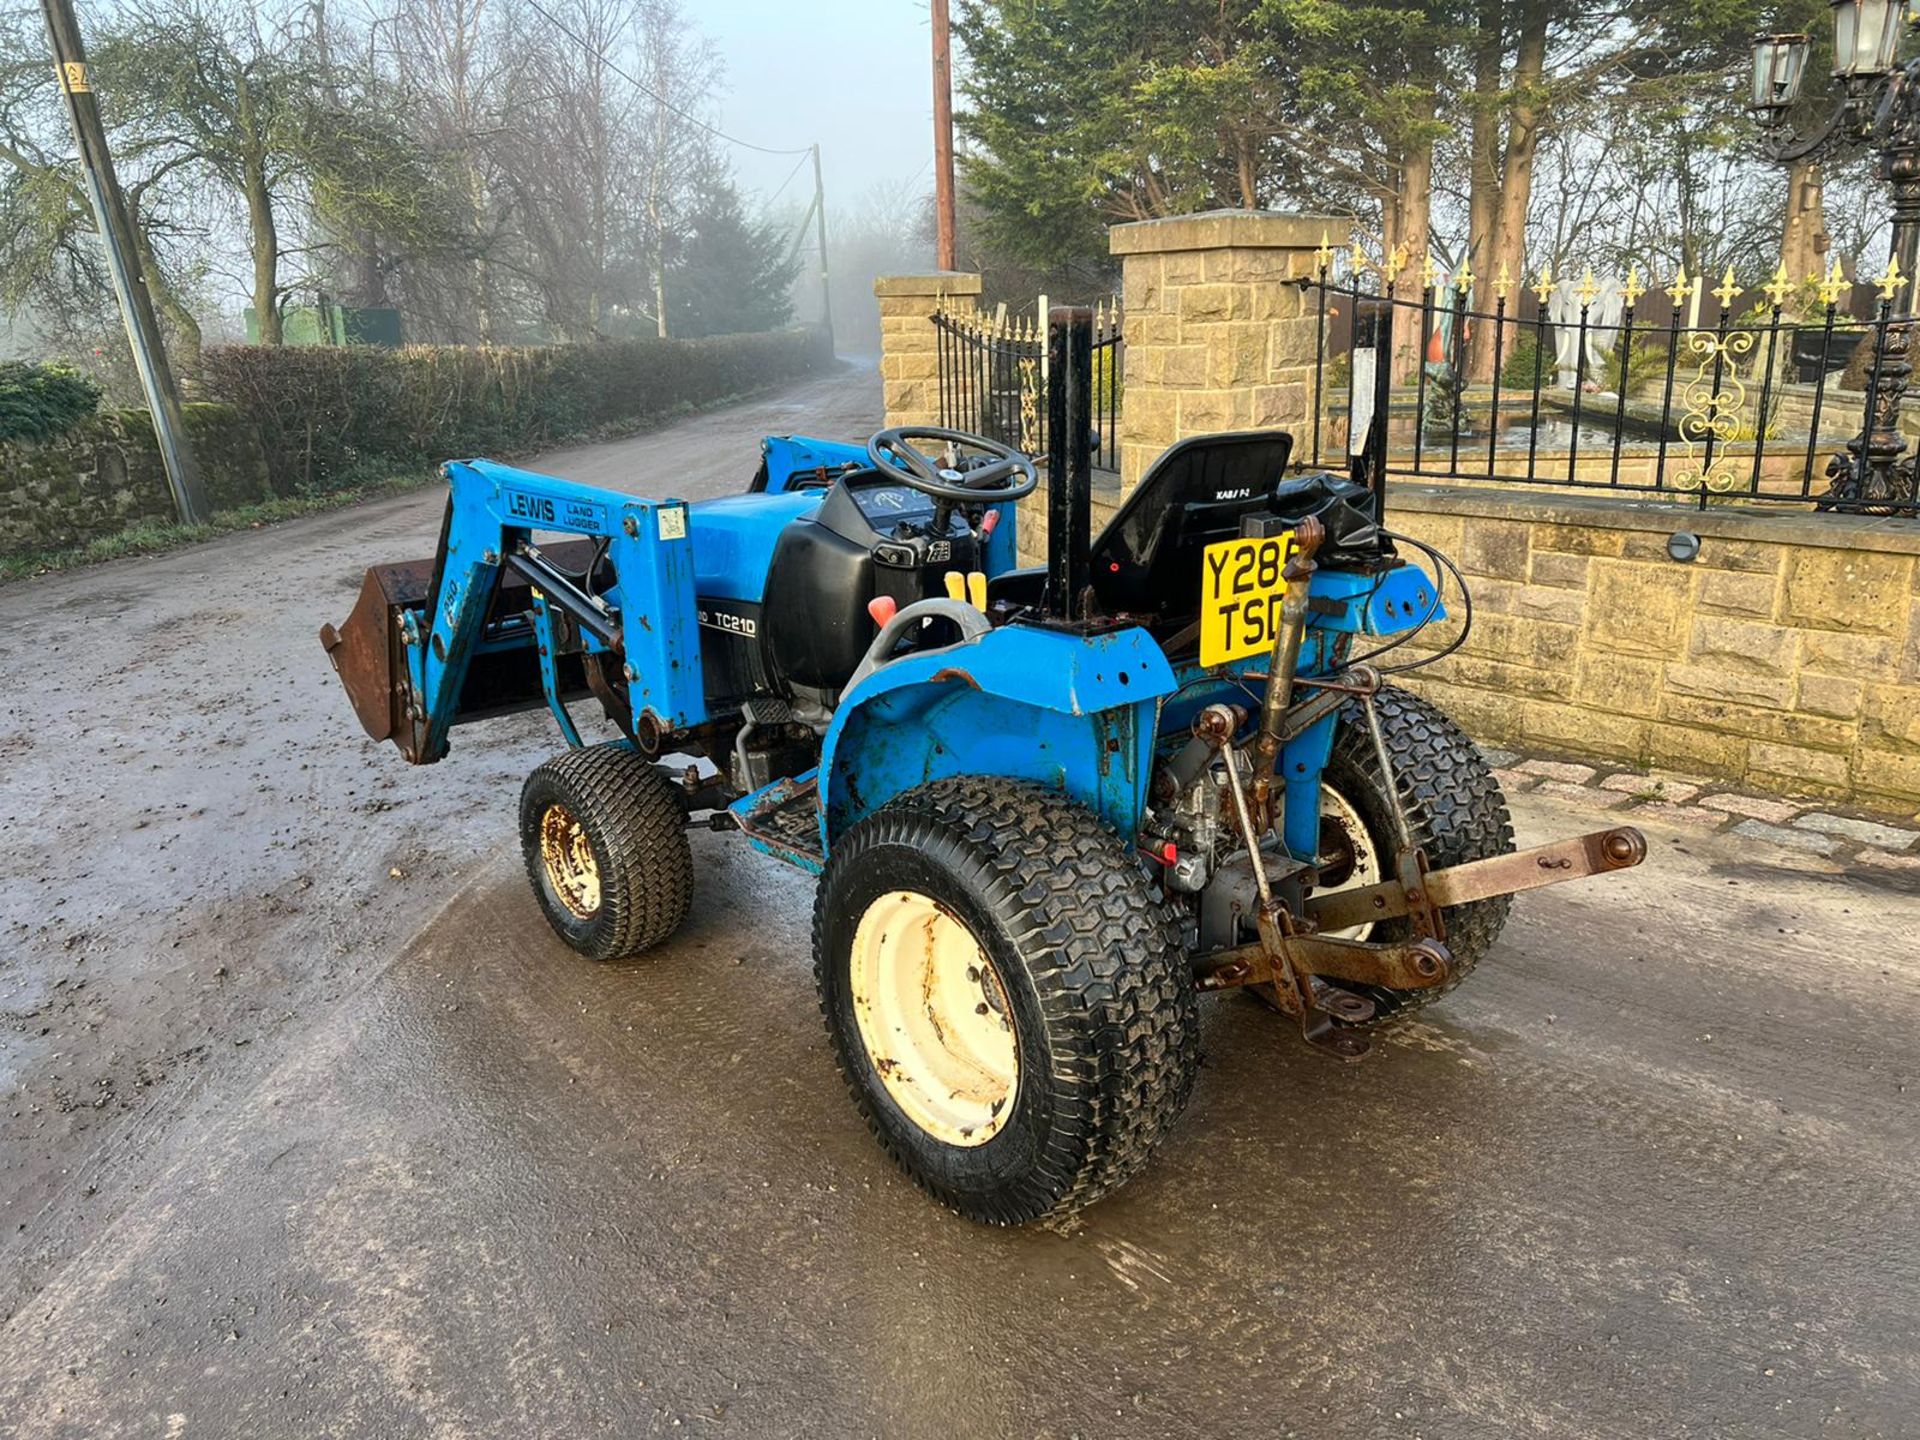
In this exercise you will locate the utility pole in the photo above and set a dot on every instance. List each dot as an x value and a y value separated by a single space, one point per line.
123 263
820 233
943 137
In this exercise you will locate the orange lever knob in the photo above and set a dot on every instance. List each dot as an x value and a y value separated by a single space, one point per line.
882 608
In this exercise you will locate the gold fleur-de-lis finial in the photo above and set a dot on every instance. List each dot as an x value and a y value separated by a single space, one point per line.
1589 287
1727 289
1681 290
1891 281
1833 285
1394 262
1779 288
1503 285
1323 257
1357 258
1463 282
1429 272
1632 290
1543 287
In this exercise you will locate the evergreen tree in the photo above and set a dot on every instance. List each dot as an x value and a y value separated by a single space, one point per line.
726 273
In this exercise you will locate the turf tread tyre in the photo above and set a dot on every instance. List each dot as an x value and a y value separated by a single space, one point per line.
1453 804
636 826
1076 917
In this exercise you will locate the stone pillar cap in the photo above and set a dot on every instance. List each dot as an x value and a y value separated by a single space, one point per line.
1221 229
931 282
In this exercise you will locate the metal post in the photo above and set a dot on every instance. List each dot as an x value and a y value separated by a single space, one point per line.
1069 459
1373 389
1881 471
123 263
820 231
943 137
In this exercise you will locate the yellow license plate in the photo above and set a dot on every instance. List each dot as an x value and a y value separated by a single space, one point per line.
1241 586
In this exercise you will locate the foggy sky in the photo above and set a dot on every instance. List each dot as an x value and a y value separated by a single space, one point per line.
854 75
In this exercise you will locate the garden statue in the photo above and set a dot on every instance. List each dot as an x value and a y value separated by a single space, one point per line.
1603 303
1442 393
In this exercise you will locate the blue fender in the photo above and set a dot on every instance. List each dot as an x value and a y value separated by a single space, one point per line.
1024 703
1383 604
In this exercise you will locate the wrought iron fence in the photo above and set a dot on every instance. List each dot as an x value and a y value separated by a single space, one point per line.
1678 392
993 377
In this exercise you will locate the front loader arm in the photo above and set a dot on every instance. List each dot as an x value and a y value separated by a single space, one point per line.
407 654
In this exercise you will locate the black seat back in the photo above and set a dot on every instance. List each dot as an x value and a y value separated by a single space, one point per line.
1147 561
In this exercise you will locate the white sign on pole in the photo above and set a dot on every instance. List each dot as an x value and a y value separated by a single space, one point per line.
1364 361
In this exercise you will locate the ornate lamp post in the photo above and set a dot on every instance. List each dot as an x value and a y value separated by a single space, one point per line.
1878 105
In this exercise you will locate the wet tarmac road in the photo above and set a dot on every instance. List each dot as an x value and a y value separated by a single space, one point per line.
1652 1172
1648 1175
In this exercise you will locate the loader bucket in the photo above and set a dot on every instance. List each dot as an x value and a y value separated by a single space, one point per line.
370 656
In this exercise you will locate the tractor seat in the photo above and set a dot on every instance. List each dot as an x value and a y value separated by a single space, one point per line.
1147 560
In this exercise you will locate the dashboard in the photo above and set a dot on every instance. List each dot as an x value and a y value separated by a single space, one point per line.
886 504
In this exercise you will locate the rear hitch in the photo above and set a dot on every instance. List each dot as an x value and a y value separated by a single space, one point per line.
1303 970
1281 963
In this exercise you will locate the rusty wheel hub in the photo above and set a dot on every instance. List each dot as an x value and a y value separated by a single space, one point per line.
1351 858
573 875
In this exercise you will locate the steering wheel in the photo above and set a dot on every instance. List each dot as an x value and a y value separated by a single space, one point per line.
1007 475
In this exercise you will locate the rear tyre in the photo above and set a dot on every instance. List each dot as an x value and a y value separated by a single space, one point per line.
604 839
1010 1009
1453 806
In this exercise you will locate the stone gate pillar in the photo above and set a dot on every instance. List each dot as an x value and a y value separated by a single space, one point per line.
909 356
1216 340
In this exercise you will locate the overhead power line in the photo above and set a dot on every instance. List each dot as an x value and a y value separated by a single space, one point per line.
649 91
790 174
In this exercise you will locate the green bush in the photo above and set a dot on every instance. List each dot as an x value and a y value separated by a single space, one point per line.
1647 369
1649 365
324 413
38 402
1525 362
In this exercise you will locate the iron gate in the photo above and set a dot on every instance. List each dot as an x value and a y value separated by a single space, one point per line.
993 377
1682 392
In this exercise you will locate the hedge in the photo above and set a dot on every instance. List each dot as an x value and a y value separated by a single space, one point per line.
323 412
38 402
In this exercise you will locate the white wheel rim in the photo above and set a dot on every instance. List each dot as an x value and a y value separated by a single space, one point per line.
934 1018
1367 869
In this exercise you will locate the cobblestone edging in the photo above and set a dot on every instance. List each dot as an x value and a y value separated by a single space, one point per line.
1697 803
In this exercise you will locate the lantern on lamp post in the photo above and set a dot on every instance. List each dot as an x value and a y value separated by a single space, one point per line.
1779 65
1878 106
1866 39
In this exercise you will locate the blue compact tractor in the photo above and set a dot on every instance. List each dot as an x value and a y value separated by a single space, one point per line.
1048 807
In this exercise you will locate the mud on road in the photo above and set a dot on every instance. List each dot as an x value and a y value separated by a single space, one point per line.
200 853
379 1157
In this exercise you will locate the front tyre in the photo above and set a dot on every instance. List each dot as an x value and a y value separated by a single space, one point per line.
1011 1011
604 839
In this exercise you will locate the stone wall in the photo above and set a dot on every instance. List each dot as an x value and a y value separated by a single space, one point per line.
105 474
1216 338
1786 656
909 353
